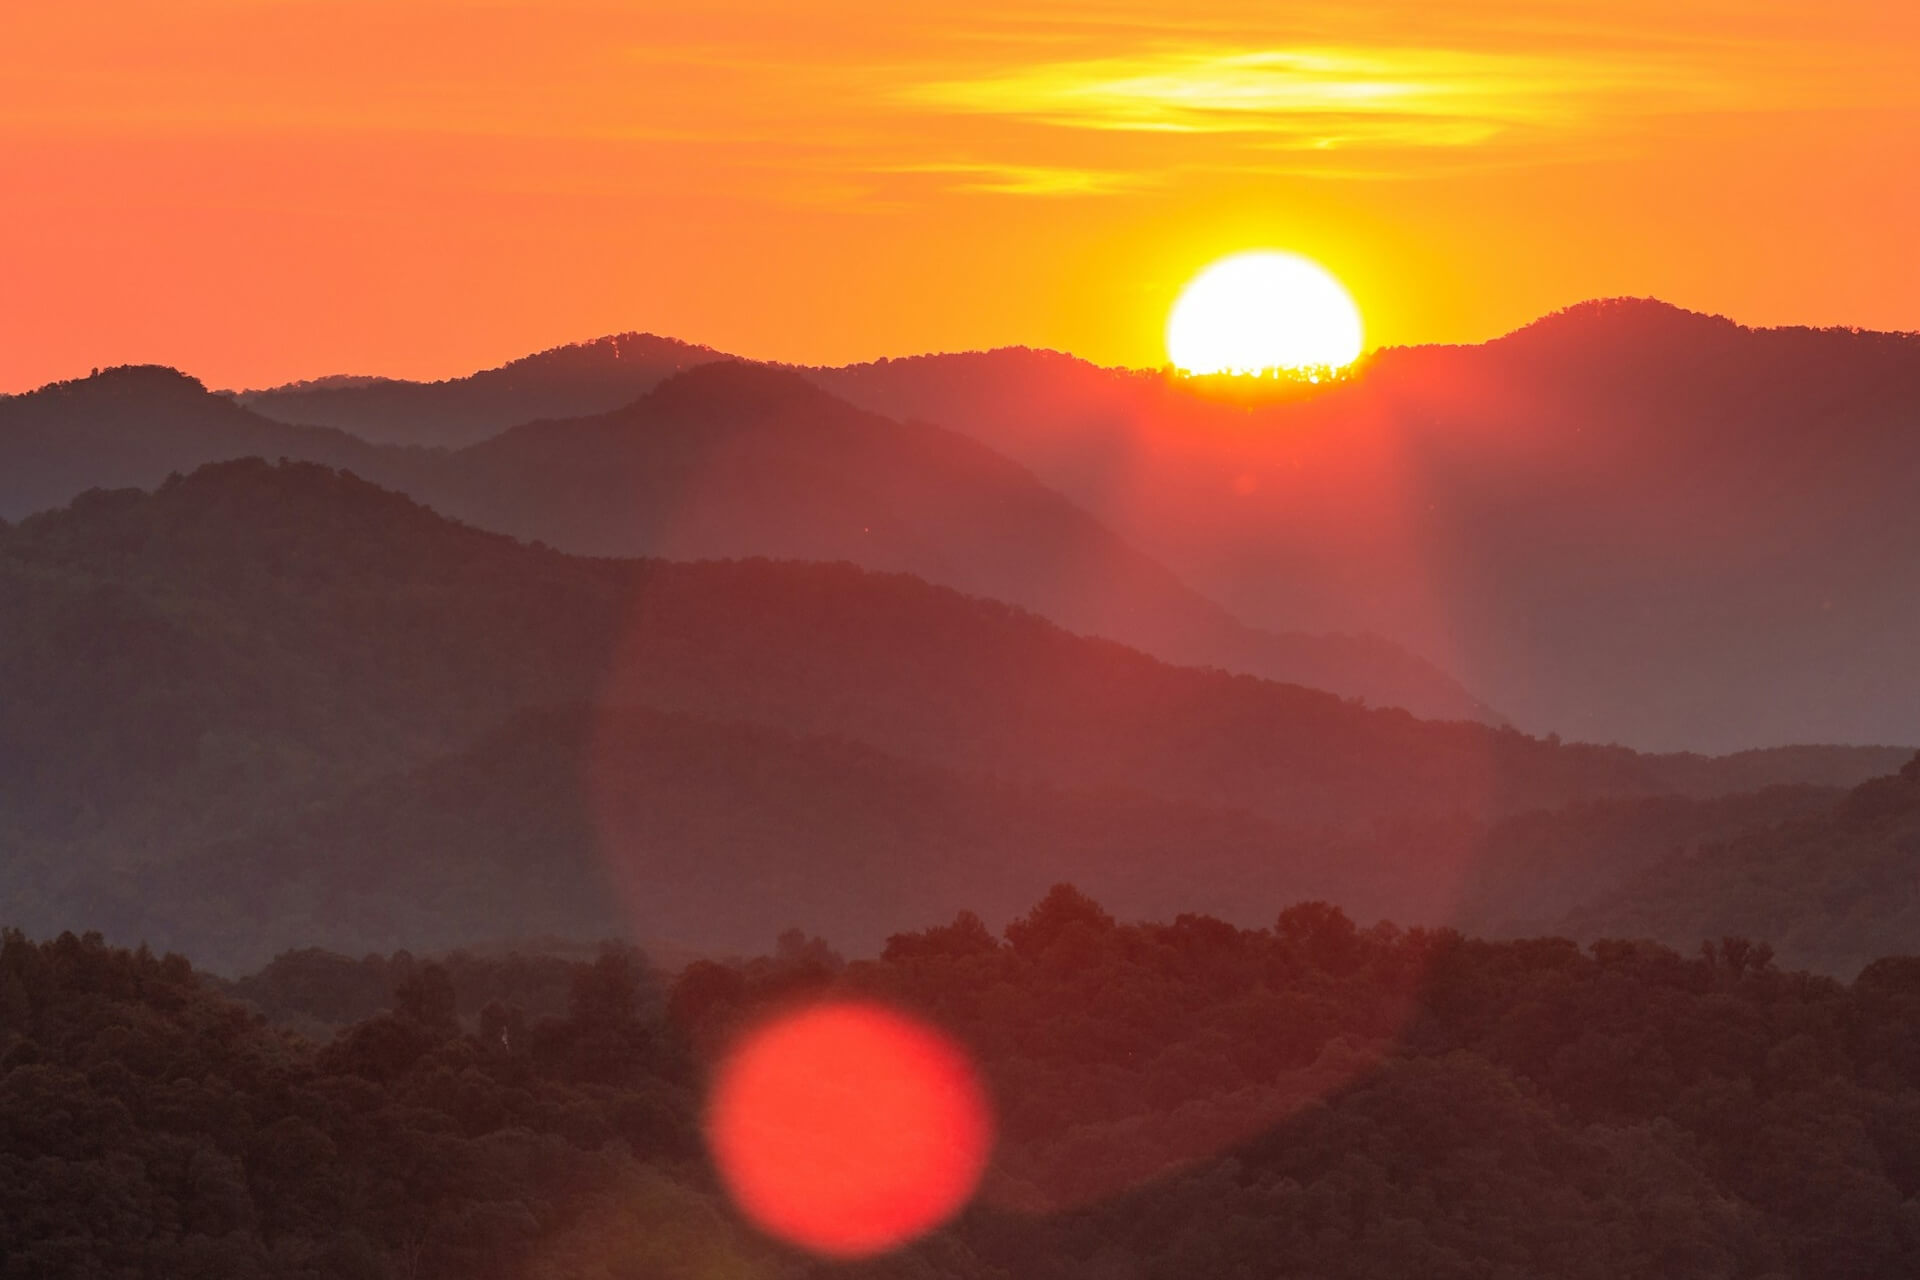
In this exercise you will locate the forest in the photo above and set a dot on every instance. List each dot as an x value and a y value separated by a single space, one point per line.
1175 1100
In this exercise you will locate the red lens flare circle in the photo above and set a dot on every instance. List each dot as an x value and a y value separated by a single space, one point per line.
848 1128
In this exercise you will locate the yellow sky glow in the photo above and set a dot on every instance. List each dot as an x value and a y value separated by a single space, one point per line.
267 189
1433 97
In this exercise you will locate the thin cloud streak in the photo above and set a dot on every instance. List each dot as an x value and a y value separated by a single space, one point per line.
1026 180
1397 97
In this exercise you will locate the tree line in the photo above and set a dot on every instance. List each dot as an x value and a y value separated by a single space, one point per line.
1175 1100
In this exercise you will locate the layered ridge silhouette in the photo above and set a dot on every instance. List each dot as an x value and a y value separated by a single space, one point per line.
727 460
285 679
1625 522
130 426
575 380
1834 889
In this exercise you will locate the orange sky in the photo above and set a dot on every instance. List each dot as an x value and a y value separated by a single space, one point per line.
257 190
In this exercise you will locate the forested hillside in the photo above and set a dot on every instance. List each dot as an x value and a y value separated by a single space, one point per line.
1177 1100
283 679
1833 889
130 426
282 676
670 828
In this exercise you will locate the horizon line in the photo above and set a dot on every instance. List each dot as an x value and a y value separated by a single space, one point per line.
1166 368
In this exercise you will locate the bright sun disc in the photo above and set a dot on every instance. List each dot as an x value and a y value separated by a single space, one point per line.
1258 311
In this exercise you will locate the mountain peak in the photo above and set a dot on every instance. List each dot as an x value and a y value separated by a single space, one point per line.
579 379
287 486
1610 333
576 358
1623 317
629 347
733 387
304 513
129 380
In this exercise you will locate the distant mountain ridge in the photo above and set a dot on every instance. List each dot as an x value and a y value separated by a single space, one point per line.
1836 889
733 459
1624 522
131 425
286 675
562 382
722 833
726 459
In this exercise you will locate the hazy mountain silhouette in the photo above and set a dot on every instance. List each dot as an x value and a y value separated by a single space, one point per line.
254 648
723 834
1525 875
1834 890
726 460
1624 522
719 834
733 459
129 427
565 382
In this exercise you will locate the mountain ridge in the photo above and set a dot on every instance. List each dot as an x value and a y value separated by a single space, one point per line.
727 459
1626 522
895 497
575 378
265 662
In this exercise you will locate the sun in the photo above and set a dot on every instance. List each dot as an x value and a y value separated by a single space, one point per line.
1261 311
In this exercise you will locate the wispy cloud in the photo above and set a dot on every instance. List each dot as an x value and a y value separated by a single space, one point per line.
1025 180
1308 97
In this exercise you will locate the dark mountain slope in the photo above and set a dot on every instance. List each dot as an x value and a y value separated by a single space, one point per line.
243 651
586 824
565 382
130 427
1526 874
729 460
1625 522
317 593
1833 891
249 638
575 823
299 609
737 460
